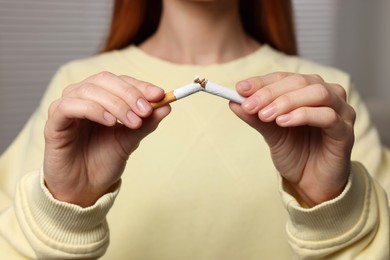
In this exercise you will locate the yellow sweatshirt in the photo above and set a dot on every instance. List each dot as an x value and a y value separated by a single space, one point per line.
202 186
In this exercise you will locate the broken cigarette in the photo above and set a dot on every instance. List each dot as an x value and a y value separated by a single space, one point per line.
199 85
220 91
177 94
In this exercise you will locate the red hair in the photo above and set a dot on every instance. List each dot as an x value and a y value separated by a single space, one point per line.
267 21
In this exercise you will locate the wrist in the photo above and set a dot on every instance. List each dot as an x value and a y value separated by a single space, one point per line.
316 193
80 196
348 208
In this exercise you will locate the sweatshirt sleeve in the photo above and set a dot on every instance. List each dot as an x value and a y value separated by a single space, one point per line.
355 225
32 223
57 229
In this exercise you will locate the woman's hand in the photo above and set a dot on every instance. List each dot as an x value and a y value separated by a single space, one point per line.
308 126
86 148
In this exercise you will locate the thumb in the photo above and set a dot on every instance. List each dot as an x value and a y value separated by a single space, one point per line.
269 130
130 138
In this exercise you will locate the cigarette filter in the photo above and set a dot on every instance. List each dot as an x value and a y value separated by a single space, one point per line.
177 94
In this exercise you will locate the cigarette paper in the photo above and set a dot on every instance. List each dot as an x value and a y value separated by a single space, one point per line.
177 94
187 90
223 92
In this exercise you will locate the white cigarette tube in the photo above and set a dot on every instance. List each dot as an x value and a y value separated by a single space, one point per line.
177 94
187 90
223 92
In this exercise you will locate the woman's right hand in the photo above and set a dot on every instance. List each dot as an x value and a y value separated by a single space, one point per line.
85 148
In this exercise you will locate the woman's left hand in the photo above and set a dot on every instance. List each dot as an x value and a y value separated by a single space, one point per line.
308 126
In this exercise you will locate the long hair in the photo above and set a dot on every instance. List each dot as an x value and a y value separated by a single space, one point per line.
267 21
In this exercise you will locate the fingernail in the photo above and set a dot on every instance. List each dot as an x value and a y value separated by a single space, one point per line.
244 85
143 106
133 118
283 119
107 116
250 104
268 112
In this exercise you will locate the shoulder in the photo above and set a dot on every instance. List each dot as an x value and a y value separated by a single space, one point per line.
296 64
114 61
78 70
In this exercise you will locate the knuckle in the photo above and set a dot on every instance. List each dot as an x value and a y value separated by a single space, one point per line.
256 82
62 105
86 90
317 77
340 91
265 95
280 75
286 101
126 77
323 93
52 107
332 116
103 76
301 114
299 80
130 92
304 113
118 106
259 82
66 91
142 85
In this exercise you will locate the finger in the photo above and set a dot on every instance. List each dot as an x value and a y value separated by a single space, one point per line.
115 105
347 111
339 90
129 137
151 123
266 129
150 91
69 89
121 88
253 84
268 93
321 117
63 112
249 86
317 95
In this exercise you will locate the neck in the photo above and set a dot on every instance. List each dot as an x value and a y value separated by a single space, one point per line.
201 33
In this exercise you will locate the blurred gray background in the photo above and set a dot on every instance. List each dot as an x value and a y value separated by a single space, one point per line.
37 36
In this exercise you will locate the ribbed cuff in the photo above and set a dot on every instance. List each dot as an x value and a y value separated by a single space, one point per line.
339 219
54 225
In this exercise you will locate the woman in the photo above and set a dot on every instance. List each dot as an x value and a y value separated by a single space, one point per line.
202 186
